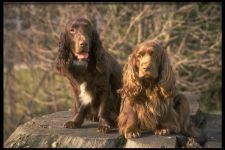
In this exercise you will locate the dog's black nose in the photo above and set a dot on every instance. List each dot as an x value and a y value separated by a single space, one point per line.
83 44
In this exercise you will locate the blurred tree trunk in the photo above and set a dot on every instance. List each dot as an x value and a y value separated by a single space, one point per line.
9 83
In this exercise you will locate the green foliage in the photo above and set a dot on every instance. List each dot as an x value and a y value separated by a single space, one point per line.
37 93
39 84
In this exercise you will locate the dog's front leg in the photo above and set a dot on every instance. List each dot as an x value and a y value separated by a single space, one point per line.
78 118
104 124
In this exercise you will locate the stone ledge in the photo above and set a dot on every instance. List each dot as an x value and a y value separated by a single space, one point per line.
48 131
152 141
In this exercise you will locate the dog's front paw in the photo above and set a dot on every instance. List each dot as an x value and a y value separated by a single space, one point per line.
71 125
132 134
162 131
103 126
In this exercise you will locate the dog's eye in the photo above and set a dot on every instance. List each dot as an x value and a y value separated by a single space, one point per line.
72 30
150 53
139 56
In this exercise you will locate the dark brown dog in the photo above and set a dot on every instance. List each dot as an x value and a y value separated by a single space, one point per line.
94 74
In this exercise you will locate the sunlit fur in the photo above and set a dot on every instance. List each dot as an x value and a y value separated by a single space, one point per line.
152 103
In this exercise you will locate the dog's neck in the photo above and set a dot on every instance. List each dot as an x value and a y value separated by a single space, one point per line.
148 83
83 65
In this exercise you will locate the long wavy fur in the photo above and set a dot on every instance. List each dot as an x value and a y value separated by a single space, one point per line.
151 104
166 82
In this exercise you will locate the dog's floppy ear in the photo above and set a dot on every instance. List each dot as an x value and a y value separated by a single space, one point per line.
98 51
65 55
131 84
167 78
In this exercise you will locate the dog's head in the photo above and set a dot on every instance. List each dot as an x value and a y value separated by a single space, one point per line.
148 65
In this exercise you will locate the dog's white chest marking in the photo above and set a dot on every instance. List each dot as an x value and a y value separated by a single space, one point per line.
84 97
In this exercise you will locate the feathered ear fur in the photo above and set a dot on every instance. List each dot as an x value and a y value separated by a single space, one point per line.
98 51
131 85
65 56
166 75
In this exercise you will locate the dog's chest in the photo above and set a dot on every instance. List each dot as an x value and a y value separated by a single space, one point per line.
85 96
84 75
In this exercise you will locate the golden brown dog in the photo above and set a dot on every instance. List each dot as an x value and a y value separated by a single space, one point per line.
150 100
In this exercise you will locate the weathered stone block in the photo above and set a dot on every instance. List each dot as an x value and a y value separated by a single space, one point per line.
48 131
152 141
